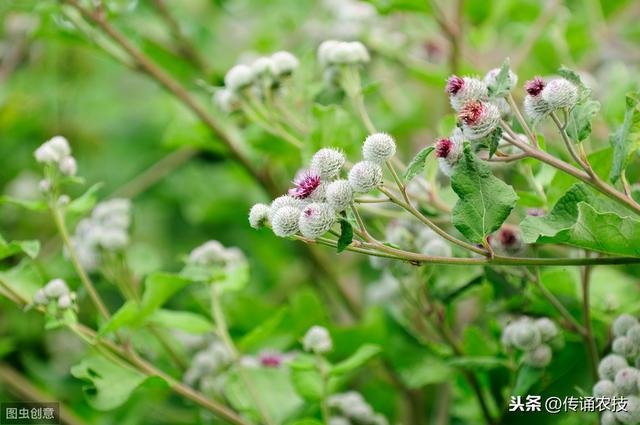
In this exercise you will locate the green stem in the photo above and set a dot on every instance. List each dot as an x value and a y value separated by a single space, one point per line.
589 338
324 407
223 332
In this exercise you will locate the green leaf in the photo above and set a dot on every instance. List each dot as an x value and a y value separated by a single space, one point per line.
485 201
275 389
579 125
24 279
346 235
85 202
8 249
494 140
186 321
626 140
127 315
502 84
478 362
263 331
416 165
306 377
527 377
29 205
356 360
586 219
158 288
109 385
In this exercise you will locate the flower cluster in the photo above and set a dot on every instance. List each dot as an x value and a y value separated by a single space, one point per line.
352 408
543 98
336 53
533 336
214 254
107 229
319 194
57 153
264 73
56 291
617 377
207 366
317 340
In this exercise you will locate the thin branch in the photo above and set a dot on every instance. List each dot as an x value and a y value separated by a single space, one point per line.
589 339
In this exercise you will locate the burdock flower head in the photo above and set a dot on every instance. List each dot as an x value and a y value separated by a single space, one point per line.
490 78
316 219
327 162
461 90
306 182
333 52
535 106
56 151
479 119
560 94
239 77
378 148
365 176
258 215
448 151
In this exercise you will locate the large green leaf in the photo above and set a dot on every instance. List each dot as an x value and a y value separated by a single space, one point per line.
579 125
306 377
186 321
626 140
586 219
485 201
7 249
356 360
109 385
416 166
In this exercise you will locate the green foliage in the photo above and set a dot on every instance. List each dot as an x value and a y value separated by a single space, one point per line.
416 166
586 219
626 140
485 201
8 249
502 85
346 235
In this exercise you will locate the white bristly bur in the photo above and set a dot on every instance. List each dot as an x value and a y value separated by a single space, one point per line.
239 77
333 52
339 195
258 215
226 100
65 301
466 89
284 222
539 357
365 176
316 219
56 288
623 323
283 63
378 148
610 365
284 201
317 340
327 162
604 388
560 93
630 415
548 330
262 66
626 380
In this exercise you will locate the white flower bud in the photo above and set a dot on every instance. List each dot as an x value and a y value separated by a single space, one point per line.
46 154
320 193
65 301
540 356
113 239
604 388
631 415
44 185
317 340
339 195
207 254
560 93
479 119
365 176
258 215
626 380
491 76
226 100
40 297
284 201
463 90
378 148
623 323
344 53
327 162
548 330
324 49
634 335
316 219
262 66
56 288
238 78
68 166
283 63
608 418
64 200
285 221
536 108
525 335
622 345
60 145
610 365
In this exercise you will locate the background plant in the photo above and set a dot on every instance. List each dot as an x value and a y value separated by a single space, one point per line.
96 76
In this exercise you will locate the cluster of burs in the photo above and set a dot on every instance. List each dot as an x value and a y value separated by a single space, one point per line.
320 194
55 294
535 338
619 372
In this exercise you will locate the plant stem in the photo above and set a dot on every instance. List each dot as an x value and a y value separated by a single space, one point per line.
324 407
589 338
557 304
351 85
73 256
223 332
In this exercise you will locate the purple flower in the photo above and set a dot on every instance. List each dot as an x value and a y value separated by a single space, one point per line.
443 148
306 182
454 85
471 113
535 86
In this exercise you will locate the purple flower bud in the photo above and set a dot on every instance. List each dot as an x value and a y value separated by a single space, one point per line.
306 182
444 147
534 87
454 85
